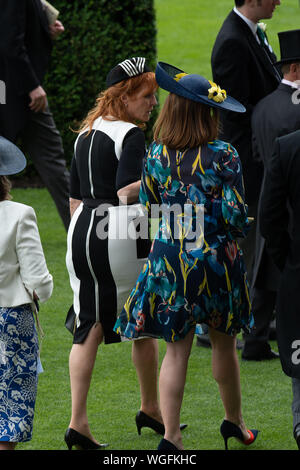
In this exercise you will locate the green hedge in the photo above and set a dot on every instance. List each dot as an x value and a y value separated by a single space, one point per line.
98 34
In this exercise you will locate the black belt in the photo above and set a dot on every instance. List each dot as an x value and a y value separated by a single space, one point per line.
94 203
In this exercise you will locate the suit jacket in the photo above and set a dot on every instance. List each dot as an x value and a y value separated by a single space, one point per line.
25 50
279 219
244 69
23 267
274 116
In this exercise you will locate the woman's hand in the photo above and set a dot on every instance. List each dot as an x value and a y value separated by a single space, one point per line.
129 193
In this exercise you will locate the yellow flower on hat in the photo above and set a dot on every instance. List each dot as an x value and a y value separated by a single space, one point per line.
178 76
215 93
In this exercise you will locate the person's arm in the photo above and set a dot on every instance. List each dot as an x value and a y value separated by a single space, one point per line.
149 193
12 45
273 215
231 69
130 167
38 96
75 193
33 269
234 209
129 193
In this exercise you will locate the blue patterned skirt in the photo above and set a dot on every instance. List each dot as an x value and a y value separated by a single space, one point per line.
176 291
19 356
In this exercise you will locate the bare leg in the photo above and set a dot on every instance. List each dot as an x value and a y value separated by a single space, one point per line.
81 364
226 372
145 359
7 445
171 386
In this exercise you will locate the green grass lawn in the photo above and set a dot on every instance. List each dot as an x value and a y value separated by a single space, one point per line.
186 32
114 396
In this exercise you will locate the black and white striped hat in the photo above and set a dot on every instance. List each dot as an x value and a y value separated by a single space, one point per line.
127 69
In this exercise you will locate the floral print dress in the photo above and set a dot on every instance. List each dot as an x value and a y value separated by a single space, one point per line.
19 368
195 271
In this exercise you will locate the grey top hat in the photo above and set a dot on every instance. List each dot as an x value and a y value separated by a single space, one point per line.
12 160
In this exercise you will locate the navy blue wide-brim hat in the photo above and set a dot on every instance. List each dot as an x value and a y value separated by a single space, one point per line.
195 87
12 160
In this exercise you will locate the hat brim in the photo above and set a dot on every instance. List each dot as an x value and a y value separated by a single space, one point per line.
12 160
291 60
165 77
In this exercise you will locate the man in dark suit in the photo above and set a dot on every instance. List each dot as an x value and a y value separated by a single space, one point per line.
279 219
276 115
25 49
243 63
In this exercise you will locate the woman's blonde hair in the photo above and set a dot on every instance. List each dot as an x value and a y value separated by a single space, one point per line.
109 103
183 123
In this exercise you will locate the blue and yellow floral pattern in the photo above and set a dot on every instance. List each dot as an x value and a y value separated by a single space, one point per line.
186 280
18 373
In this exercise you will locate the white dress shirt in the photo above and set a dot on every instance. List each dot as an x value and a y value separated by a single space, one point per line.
292 84
253 26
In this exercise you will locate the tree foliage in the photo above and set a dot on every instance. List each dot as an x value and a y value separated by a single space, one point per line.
98 35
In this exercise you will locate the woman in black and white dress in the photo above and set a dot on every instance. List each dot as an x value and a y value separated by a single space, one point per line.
106 168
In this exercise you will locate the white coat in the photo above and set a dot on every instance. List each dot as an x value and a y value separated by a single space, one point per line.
23 268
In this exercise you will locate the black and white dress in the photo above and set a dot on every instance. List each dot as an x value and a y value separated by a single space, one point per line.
105 160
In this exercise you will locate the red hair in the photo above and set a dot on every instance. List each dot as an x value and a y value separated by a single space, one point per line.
109 103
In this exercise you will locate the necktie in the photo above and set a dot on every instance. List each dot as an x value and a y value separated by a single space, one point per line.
264 44
261 36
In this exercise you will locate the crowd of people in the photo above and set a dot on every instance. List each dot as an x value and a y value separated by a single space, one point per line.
221 175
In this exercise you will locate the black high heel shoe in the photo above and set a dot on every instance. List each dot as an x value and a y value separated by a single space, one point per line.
166 445
74 438
144 421
229 429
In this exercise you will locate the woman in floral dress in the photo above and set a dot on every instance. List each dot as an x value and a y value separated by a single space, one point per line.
195 271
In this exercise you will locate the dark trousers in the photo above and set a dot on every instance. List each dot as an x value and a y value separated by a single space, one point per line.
296 402
43 144
262 300
263 305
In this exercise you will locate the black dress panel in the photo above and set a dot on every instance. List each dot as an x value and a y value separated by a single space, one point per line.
96 171
105 160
